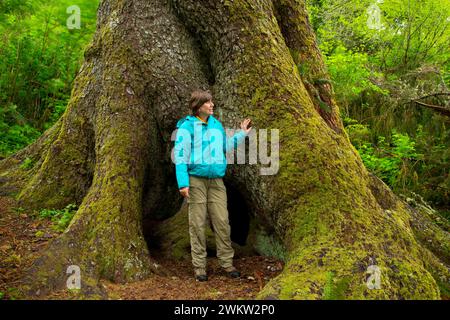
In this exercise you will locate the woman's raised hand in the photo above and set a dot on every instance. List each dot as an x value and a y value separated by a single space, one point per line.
246 125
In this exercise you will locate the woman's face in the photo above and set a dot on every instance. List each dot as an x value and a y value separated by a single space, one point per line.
207 108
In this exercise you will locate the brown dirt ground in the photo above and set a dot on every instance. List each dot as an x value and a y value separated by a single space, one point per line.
23 235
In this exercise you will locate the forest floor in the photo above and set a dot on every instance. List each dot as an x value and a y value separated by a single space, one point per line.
23 235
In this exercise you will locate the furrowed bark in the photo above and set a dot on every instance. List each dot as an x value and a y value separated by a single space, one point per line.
320 201
301 41
141 67
110 153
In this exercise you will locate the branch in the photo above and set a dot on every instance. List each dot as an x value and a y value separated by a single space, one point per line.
440 109
434 95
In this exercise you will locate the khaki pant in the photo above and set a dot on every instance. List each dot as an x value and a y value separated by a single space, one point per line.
208 196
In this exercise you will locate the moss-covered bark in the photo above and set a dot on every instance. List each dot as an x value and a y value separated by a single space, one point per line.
321 201
110 153
300 39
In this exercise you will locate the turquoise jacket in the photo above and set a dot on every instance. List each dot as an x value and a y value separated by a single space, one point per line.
200 149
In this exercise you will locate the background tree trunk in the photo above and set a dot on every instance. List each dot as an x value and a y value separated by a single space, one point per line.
110 153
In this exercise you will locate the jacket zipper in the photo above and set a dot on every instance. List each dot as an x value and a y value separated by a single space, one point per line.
209 154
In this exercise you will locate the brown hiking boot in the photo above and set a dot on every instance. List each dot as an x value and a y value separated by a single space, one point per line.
232 272
200 275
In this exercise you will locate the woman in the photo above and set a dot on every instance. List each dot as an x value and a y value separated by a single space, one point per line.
200 163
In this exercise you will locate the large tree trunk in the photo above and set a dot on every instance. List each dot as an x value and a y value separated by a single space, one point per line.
110 153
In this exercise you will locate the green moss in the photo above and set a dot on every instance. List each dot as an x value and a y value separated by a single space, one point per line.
268 245
444 288
344 276
27 164
335 289
61 177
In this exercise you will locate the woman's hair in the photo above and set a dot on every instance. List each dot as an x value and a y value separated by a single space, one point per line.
198 98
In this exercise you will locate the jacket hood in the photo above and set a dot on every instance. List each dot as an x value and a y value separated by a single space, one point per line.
182 120
191 118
